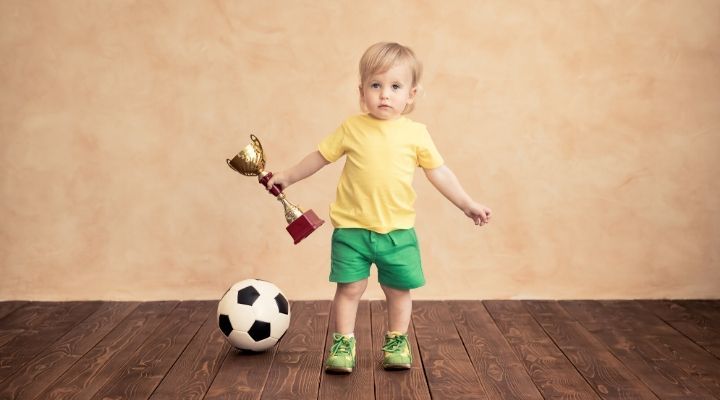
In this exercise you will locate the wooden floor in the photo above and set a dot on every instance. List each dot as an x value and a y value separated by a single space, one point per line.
463 350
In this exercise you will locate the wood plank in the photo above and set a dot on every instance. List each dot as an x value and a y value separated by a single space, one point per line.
409 384
693 323
30 317
242 375
628 335
450 373
673 345
498 368
31 342
139 377
607 375
7 307
553 374
709 308
359 384
193 372
296 368
698 315
93 370
47 366
295 372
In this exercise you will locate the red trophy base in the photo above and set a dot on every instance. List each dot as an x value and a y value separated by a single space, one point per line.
304 226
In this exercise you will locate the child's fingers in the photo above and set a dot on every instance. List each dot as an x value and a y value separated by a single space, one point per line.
270 183
483 217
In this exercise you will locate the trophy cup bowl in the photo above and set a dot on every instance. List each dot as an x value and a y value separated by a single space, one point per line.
250 161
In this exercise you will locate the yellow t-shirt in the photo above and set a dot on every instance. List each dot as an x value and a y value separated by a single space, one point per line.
375 190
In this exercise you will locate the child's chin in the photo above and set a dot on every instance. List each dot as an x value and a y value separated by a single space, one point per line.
384 114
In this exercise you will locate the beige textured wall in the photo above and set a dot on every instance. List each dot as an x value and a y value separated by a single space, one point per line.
591 128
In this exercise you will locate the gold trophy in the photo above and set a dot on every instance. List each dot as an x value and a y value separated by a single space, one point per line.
250 161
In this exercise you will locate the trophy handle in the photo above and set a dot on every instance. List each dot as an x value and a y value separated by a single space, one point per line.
227 160
256 144
275 189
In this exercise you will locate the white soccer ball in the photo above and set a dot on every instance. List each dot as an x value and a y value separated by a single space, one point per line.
253 314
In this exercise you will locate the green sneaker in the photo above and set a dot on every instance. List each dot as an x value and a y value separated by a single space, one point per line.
342 354
397 351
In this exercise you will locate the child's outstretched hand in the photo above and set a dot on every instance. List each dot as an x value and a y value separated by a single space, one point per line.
478 213
281 179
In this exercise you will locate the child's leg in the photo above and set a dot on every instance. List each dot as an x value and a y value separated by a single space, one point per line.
342 352
399 303
397 353
345 305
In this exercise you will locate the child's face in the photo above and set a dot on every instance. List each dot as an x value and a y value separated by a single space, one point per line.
386 94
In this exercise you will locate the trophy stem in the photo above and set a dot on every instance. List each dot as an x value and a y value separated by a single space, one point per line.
292 212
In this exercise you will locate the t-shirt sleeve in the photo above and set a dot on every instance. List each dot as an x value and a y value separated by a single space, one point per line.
332 146
428 156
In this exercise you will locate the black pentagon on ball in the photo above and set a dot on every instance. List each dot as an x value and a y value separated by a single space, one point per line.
259 330
225 325
247 295
282 303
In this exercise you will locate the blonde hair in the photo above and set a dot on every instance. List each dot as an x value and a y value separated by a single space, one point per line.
382 56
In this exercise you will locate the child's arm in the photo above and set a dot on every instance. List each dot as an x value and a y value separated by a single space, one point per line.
447 183
306 167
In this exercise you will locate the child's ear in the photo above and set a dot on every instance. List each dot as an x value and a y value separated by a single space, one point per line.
361 99
413 92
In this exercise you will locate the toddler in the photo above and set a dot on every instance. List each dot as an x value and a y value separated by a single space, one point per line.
373 212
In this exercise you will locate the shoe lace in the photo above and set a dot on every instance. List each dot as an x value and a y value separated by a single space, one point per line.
341 345
395 343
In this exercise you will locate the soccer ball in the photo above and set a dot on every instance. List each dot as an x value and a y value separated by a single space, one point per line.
253 314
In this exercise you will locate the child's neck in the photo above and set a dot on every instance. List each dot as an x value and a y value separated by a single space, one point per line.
399 117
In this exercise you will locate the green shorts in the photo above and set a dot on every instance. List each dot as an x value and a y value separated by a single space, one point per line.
396 255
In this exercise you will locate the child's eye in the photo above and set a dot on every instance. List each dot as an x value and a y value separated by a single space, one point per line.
396 86
375 85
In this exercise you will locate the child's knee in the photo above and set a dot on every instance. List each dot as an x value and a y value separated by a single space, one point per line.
353 289
391 292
